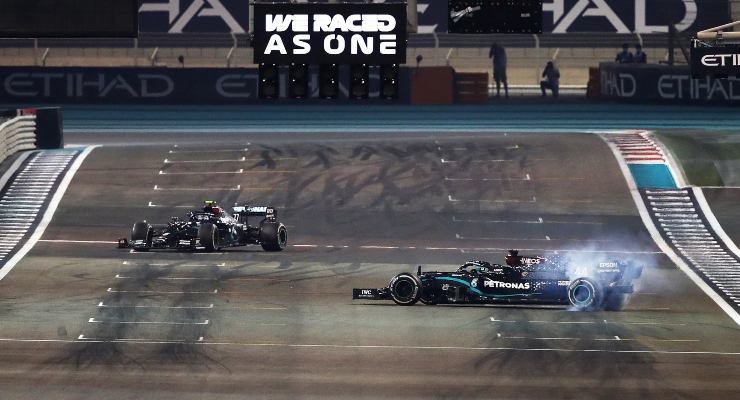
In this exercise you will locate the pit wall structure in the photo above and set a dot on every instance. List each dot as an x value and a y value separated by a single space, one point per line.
635 83
34 86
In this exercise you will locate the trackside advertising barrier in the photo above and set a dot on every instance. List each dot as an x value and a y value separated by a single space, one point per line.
103 85
663 84
559 16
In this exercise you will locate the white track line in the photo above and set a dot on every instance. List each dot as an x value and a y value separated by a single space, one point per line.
49 214
238 187
658 239
166 161
94 321
491 221
101 304
450 198
699 194
81 338
13 168
239 171
208 151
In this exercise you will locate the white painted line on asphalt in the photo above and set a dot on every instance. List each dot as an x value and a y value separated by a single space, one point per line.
484 349
239 171
702 201
493 319
51 208
616 338
665 191
677 218
166 161
664 198
101 304
14 167
534 200
160 205
472 161
143 263
662 244
125 340
110 290
95 321
486 179
208 151
458 236
223 264
118 276
680 230
238 187
492 221
496 250
78 241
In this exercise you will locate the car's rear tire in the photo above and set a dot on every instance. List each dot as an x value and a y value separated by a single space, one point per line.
614 301
405 289
273 236
142 232
584 294
208 236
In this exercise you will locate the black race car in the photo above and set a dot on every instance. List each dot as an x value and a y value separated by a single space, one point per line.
211 229
544 280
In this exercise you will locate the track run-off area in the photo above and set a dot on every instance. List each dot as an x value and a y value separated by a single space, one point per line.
367 192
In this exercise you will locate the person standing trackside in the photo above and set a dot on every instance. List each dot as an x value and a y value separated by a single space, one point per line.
640 57
624 56
552 80
498 54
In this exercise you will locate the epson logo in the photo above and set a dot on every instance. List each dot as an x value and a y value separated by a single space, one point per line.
721 60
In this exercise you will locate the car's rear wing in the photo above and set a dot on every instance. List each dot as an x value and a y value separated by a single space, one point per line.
255 211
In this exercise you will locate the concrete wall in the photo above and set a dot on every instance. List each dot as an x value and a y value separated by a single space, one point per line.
524 64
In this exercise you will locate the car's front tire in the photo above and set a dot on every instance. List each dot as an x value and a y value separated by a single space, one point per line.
405 289
273 236
142 232
208 236
584 294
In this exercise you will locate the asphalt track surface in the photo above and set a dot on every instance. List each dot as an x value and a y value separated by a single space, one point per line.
82 319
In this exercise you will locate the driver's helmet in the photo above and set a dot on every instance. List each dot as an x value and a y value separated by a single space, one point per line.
211 207
479 266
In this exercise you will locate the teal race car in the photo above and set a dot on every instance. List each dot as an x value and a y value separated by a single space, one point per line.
523 279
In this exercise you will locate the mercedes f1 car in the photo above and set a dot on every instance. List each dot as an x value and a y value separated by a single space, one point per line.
544 280
211 229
